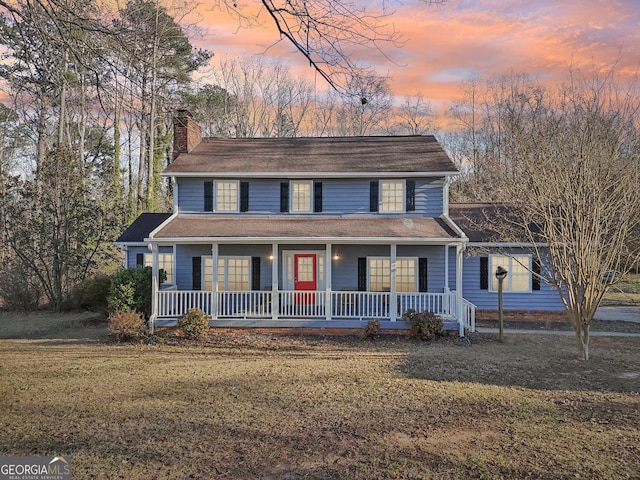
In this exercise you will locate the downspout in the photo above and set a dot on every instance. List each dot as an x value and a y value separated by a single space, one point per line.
328 273
459 251
176 206
154 286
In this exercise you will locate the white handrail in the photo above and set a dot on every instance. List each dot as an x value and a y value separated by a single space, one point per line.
313 304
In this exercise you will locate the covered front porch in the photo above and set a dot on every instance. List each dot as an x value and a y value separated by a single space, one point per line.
331 285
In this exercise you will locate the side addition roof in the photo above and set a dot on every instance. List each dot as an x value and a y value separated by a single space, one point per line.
142 227
314 155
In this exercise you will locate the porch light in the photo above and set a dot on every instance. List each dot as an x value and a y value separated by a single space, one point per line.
271 256
501 274
336 256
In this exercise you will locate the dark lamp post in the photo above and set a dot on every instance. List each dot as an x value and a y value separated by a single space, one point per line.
501 274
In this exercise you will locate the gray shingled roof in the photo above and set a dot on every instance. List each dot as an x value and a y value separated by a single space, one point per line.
308 228
142 227
490 222
325 155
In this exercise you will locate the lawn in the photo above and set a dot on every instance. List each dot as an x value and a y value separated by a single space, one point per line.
625 292
259 406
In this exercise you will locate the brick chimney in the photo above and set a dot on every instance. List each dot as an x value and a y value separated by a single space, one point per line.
186 133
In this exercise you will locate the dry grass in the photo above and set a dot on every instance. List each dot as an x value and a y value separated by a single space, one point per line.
256 406
626 292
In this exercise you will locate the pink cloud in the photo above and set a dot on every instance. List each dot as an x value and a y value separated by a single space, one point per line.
446 44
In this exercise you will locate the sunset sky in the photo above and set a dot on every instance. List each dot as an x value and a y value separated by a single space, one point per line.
446 44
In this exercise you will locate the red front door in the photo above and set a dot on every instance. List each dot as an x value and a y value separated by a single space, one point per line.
304 277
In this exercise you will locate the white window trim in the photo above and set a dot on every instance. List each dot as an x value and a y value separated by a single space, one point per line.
311 195
404 196
416 277
215 196
507 289
225 280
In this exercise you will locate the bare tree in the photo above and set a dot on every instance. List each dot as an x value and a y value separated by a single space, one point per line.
364 107
262 99
577 158
413 117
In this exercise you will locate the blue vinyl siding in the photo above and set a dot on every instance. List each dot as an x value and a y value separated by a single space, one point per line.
131 255
546 298
339 196
264 196
345 269
191 194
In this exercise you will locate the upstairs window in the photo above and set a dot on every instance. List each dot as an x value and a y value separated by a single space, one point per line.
301 196
391 196
226 196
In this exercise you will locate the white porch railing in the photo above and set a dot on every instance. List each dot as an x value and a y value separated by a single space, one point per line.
312 304
469 315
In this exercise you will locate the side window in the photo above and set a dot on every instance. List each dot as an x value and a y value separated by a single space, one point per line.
518 278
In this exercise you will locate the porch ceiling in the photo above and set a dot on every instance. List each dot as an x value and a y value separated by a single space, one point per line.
427 230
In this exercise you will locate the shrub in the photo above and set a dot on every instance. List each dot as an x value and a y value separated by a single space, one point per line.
424 325
131 291
127 325
92 293
194 323
19 289
372 329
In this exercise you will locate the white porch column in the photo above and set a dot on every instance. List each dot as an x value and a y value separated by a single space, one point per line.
393 300
459 252
328 257
214 281
446 269
155 286
275 295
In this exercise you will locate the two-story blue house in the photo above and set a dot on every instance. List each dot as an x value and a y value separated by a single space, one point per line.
319 232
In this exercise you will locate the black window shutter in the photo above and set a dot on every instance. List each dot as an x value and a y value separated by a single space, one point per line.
284 197
255 273
208 196
535 280
244 196
484 273
197 273
317 196
362 274
411 196
422 275
373 196
139 259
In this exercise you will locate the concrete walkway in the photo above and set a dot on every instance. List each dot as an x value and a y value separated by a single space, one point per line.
624 314
509 331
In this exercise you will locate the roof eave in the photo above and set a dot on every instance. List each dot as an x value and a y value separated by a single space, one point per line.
379 174
310 240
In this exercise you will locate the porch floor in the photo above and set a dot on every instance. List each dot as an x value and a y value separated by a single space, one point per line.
449 325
